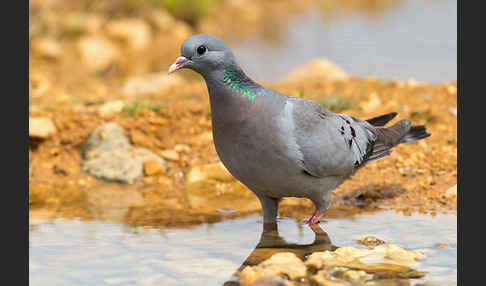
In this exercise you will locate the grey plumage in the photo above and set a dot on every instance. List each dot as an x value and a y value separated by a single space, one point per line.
281 146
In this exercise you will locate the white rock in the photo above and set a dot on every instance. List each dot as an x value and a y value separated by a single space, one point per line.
41 127
111 107
453 110
451 192
97 53
47 48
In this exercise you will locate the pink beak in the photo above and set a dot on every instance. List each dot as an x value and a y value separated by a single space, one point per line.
180 61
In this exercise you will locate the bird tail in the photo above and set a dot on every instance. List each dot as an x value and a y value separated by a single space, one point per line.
415 133
388 137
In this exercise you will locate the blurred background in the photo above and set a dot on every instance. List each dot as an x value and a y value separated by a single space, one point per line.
121 158
389 39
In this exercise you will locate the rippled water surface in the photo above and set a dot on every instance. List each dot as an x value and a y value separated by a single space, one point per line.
415 39
99 253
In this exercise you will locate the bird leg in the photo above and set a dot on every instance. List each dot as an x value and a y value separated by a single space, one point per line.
315 218
269 208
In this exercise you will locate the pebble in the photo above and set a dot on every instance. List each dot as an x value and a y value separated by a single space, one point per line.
370 241
171 155
153 167
111 107
280 263
47 48
453 110
97 53
373 103
451 192
41 127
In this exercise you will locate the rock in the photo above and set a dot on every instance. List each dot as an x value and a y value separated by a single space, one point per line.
280 263
104 138
349 257
41 127
452 89
108 155
355 276
157 120
413 82
111 203
135 32
97 53
216 171
398 254
370 241
316 69
270 281
453 110
373 103
116 166
150 83
171 155
153 167
323 278
451 192
47 48
111 107
182 148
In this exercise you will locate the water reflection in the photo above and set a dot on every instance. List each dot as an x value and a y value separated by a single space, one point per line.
272 242
72 252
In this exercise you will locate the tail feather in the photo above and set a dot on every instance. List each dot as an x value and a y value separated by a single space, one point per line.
388 137
415 133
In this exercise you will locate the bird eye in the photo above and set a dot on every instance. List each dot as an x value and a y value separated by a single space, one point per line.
201 50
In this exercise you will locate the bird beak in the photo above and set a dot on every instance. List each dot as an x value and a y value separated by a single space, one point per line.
179 63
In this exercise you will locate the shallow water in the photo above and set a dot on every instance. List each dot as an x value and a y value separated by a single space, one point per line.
94 253
416 39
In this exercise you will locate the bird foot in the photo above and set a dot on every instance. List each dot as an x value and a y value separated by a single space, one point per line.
314 218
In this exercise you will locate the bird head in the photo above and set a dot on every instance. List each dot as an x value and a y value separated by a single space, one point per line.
203 53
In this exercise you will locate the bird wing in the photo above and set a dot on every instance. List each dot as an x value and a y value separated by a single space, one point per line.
330 144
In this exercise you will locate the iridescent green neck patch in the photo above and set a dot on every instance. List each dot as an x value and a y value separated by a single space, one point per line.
239 83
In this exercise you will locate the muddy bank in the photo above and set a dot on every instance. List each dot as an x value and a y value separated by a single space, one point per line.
416 177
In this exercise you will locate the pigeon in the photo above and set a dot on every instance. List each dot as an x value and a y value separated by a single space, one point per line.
284 146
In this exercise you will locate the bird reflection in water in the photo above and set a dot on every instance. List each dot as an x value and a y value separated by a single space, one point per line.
271 243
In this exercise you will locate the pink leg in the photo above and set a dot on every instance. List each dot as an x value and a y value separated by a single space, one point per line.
315 218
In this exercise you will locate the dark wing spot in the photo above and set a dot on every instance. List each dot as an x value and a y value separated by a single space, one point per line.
353 133
350 142
308 174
